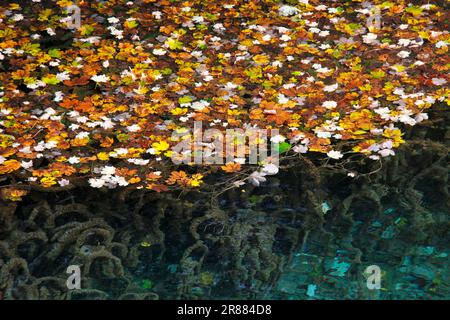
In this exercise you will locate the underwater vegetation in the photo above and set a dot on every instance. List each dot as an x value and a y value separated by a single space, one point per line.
97 96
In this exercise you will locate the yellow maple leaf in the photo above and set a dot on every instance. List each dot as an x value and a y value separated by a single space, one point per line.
261 59
160 146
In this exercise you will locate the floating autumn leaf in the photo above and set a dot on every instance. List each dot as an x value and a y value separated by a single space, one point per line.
13 194
177 177
153 176
261 59
62 169
9 166
174 44
157 187
231 167
134 180
196 180
47 182
160 146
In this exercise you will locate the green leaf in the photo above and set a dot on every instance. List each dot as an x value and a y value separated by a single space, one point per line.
52 80
284 147
146 284
255 199
414 10
54 53
150 35
377 74
122 137
184 99
166 71
354 26
254 72
174 44
267 84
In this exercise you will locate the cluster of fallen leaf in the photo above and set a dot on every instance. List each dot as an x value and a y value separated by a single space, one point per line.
100 103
